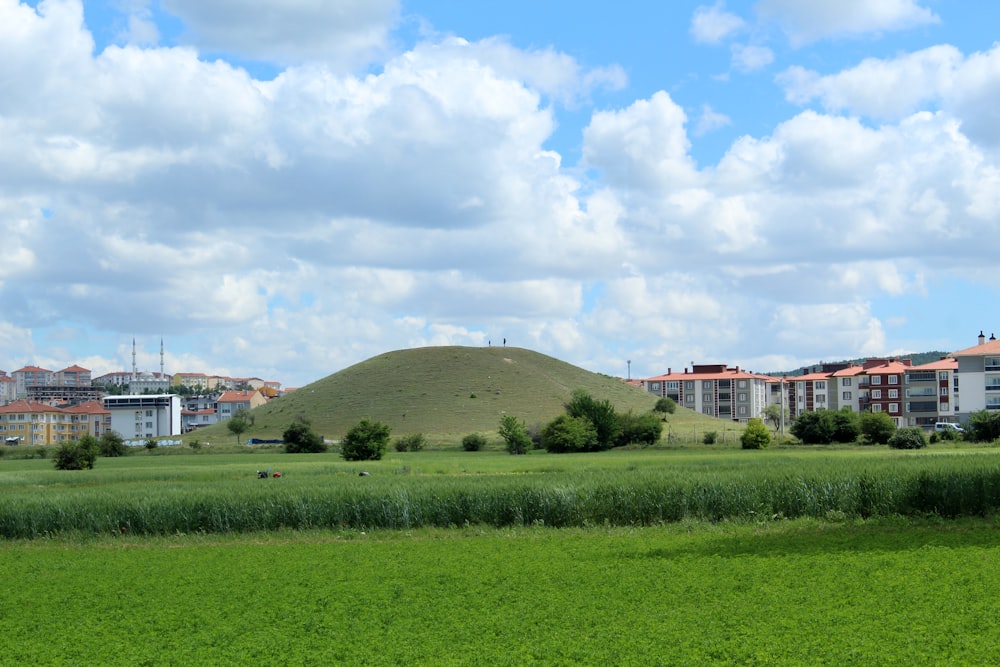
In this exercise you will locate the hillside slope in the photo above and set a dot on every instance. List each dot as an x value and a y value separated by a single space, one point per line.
442 392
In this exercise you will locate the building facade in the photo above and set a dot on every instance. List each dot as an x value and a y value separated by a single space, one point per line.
715 390
145 416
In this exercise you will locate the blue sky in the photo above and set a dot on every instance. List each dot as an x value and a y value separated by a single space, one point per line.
283 190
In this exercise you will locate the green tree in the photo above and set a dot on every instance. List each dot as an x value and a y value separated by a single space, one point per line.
366 441
813 428
473 442
846 425
984 426
600 413
77 454
645 429
299 438
908 437
772 413
111 444
413 442
665 406
755 435
877 427
569 434
514 434
239 423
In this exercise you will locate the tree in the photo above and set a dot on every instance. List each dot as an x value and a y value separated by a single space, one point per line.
846 426
813 428
600 413
772 413
111 444
909 437
665 406
644 429
877 427
238 424
514 434
77 454
984 426
569 434
299 438
366 441
755 435
474 442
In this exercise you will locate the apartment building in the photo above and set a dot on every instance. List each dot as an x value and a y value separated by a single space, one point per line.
931 393
881 387
715 390
979 377
144 416
35 423
231 402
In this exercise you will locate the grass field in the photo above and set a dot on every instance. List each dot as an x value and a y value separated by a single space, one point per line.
886 592
694 556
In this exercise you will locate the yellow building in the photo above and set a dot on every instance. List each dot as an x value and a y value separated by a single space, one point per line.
33 423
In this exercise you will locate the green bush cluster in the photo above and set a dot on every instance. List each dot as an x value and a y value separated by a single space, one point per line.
299 438
822 427
474 442
755 435
414 442
591 425
77 454
909 437
515 435
366 441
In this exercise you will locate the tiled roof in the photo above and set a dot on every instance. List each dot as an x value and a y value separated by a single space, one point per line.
24 405
939 365
989 347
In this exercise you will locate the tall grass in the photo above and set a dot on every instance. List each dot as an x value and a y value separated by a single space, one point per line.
157 501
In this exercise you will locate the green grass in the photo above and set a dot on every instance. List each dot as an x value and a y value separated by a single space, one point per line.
446 393
162 495
886 592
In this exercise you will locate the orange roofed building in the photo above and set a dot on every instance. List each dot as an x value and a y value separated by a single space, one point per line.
34 423
715 390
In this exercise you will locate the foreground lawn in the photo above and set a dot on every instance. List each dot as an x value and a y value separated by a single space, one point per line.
804 592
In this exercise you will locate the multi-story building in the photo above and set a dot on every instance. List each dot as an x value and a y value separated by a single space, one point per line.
231 402
931 393
145 416
34 423
8 389
31 376
809 392
715 390
979 377
882 387
847 384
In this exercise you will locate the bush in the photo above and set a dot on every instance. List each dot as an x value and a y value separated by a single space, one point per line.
709 437
877 427
813 428
600 413
665 406
645 429
910 437
846 425
411 443
366 441
111 444
77 454
151 444
299 438
755 435
514 435
983 426
474 442
569 434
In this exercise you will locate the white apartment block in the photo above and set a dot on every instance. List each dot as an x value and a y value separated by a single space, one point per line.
715 390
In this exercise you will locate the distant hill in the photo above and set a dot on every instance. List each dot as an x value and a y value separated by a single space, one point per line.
918 359
442 392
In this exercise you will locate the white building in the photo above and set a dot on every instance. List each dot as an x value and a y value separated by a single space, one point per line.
145 416
979 377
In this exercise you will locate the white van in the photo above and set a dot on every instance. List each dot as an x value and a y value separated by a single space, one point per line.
948 426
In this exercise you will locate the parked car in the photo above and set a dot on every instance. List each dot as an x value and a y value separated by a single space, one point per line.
948 426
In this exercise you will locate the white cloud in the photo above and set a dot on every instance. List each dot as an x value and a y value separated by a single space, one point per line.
343 34
750 58
806 22
710 120
712 24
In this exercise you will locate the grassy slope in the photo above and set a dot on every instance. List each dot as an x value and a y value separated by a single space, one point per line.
430 391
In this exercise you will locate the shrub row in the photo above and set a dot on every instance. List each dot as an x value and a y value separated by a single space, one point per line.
618 498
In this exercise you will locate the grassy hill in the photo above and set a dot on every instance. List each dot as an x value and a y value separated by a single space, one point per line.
442 392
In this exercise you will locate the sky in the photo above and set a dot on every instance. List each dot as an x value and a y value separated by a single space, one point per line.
281 189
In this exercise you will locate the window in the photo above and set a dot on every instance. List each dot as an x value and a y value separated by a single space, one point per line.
706 385
876 394
876 379
149 424
894 408
673 384
820 385
742 397
743 409
689 385
149 413
943 375
944 391
846 396
821 398
877 407
893 393
689 398
743 384
655 386
845 382
893 379
944 407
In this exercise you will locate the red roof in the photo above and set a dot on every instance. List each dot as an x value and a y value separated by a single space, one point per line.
948 364
989 347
